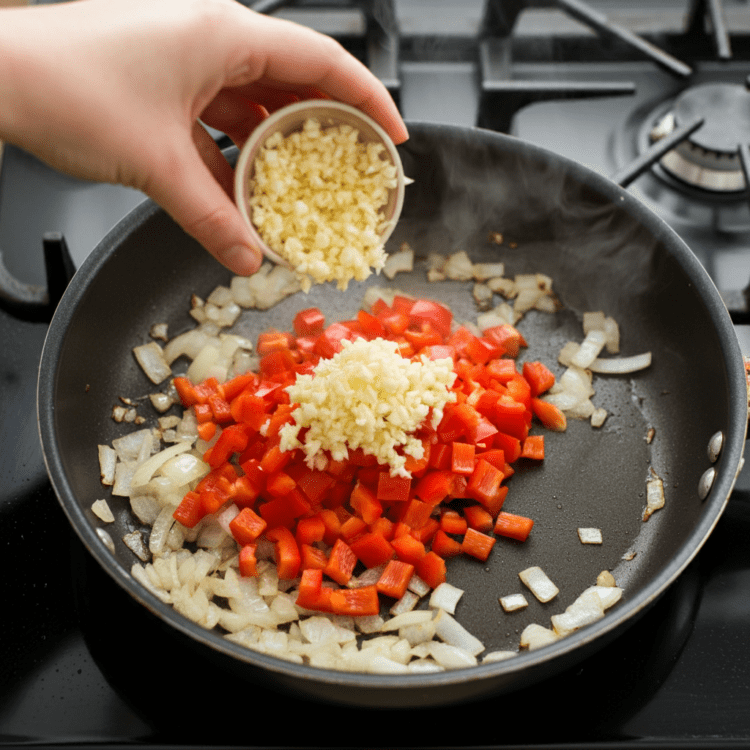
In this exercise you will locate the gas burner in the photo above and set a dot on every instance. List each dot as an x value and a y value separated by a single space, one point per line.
709 158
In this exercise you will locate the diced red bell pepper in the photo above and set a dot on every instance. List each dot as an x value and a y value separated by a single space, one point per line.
462 458
312 557
434 487
510 446
248 561
372 549
533 447
510 417
359 602
309 322
247 526
341 563
190 510
395 579
477 544
365 504
249 409
310 530
508 337
431 569
396 488
408 548
479 518
279 484
439 317
416 513
445 546
312 594
549 415
513 526
233 439
539 377
484 483
273 341
452 522
286 552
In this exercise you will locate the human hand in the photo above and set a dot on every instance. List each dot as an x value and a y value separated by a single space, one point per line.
115 91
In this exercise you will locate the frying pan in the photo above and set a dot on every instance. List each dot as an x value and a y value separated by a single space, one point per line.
603 249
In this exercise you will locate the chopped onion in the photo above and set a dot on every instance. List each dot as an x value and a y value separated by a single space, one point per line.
620 365
535 636
654 495
590 348
590 536
446 596
151 359
399 262
149 467
451 657
452 632
102 511
513 602
539 584
107 463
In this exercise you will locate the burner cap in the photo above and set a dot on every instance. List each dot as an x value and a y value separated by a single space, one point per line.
709 158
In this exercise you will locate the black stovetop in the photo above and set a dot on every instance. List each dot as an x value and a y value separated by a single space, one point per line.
679 677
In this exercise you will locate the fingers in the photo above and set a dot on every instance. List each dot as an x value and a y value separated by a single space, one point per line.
197 196
290 56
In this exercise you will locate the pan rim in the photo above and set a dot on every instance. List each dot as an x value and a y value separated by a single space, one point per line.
714 505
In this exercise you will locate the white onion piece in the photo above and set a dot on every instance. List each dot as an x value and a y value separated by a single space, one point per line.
451 657
107 462
590 535
151 359
452 632
539 584
398 262
184 468
513 602
494 656
535 636
227 516
446 596
129 447
149 467
414 617
654 495
102 511
620 365
590 348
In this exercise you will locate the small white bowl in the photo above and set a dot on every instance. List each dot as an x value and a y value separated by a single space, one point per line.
291 118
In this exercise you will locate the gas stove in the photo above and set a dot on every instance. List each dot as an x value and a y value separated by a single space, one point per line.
653 95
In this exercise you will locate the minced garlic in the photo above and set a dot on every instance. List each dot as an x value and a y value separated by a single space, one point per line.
368 396
316 198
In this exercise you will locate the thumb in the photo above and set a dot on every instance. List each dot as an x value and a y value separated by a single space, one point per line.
192 194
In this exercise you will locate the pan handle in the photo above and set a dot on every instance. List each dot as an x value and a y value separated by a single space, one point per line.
31 302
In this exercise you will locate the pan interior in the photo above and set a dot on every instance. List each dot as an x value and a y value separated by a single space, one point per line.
602 254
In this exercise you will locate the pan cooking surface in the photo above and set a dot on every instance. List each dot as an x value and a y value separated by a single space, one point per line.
600 256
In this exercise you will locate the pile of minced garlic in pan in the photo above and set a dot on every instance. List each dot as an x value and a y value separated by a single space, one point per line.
316 199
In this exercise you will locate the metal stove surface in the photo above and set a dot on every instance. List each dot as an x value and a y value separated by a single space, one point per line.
76 675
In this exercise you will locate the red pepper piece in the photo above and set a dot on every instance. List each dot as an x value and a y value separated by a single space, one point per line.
310 530
462 458
250 409
315 484
371 327
484 483
510 446
279 484
312 557
439 317
332 526
477 544
358 602
352 528
513 526
533 447
539 377
190 510
452 522
233 439
445 546
408 549
510 417
508 337
431 569
395 579
341 563
365 504
312 594
233 387
434 487
309 322
206 431
372 549
478 518
416 513
286 552
440 456
248 561
247 526
393 488
549 415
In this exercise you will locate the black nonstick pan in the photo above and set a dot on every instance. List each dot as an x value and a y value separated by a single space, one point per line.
604 251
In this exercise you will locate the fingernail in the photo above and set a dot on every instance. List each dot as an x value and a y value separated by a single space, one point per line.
243 259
